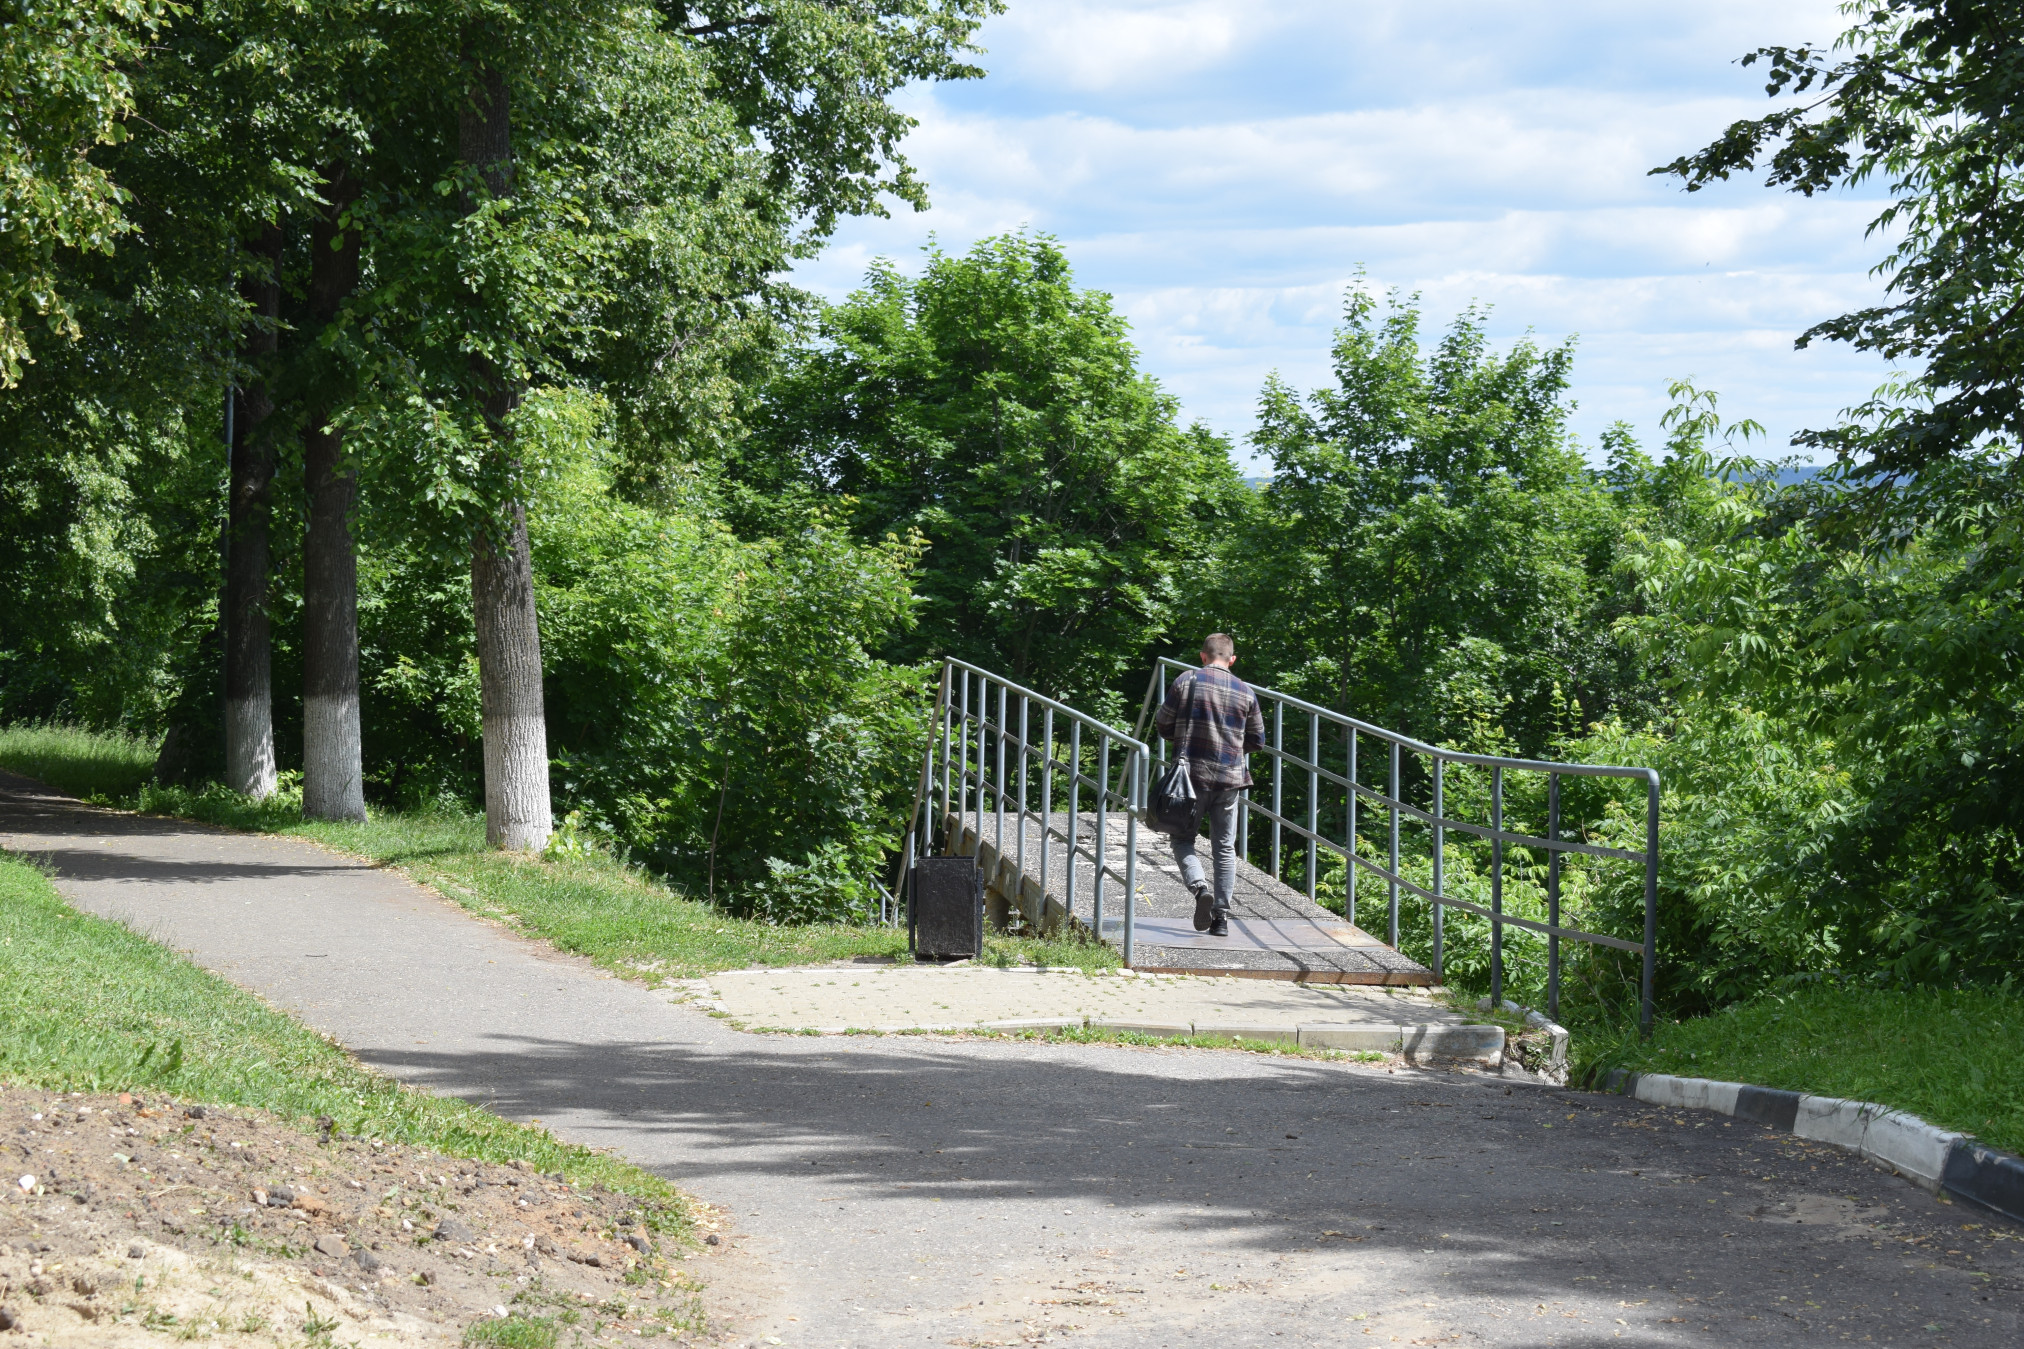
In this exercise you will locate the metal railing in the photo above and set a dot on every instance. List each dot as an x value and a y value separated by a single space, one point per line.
1002 749
1312 833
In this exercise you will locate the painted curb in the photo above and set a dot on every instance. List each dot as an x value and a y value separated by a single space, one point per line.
1932 1158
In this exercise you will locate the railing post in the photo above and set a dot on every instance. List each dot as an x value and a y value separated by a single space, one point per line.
1025 717
1349 900
1102 849
983 725
1553 896
998 795
1074 809
1392 911
1046 808
1651 951
1278 764
1496 889
1136 804
963 729
1440 841
1313 799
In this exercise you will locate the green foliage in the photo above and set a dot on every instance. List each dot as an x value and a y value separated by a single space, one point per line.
1431 553
1850 720
67 70
714 701
998 412
1923 94
89 1005
1954 1057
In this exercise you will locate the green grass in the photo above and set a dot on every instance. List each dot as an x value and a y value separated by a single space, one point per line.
1954 1058
90 1005
108 765
515 1332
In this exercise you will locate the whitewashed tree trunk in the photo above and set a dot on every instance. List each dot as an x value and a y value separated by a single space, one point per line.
518 813
333 764
249 669
517 810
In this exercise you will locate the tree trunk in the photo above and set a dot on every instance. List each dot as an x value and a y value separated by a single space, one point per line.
333 777
517 809
249 683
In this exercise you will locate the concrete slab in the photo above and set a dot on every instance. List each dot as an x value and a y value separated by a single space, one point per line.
1359 1039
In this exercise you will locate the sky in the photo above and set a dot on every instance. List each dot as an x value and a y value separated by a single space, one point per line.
1224 168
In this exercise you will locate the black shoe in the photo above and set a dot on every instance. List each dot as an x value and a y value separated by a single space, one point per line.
1219 926
1205 904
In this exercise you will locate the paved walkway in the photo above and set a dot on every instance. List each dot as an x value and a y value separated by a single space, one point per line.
908 1191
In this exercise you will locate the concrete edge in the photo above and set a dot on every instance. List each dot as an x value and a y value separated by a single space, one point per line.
1935 1159
1482 1045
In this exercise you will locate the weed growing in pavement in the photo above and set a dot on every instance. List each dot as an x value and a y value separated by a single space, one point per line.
1006 950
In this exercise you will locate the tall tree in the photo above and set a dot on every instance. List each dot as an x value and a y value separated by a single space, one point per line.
517 810
1928 96
1426 552
999 412
333 778
614 258
249 667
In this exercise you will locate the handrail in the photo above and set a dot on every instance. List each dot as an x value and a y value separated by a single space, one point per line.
961 774
1275 705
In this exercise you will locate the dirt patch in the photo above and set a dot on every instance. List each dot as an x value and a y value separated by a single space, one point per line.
133 1221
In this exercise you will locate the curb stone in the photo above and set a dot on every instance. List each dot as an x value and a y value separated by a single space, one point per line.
1934 1159
1483 1045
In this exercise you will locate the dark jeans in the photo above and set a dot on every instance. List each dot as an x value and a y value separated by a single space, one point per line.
1219 812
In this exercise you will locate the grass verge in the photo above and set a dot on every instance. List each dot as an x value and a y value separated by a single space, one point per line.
97 765
89 1005
1953 1057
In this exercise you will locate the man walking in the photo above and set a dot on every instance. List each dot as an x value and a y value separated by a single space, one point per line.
1212 717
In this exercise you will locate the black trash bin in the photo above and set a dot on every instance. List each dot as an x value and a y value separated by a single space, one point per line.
948 908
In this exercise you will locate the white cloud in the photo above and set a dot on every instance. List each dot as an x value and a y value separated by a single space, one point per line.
1088 47
1223 169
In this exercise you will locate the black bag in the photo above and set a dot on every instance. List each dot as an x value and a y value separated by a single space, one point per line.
1176 808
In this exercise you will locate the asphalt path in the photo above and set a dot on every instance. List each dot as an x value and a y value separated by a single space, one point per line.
914 1190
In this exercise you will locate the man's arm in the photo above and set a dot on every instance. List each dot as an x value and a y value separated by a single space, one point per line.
1254 726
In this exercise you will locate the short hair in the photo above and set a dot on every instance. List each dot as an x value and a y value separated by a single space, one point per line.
1218 646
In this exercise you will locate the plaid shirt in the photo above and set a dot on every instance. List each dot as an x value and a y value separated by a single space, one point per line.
1212 717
